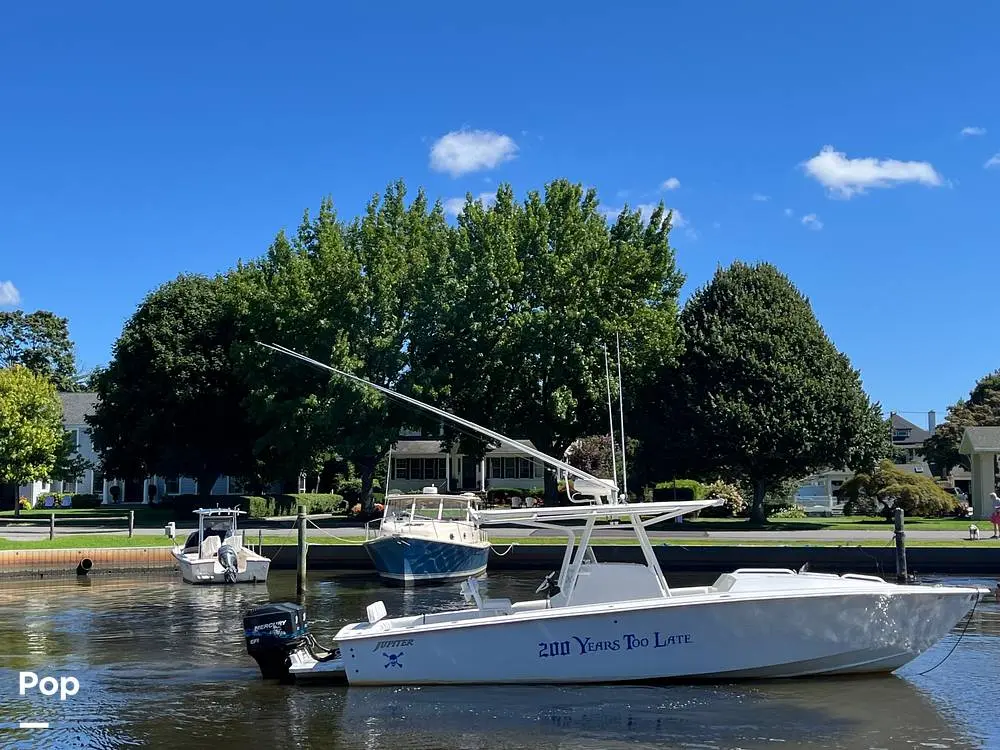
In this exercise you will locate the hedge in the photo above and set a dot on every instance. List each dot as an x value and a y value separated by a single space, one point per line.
85 501
678 490
184 506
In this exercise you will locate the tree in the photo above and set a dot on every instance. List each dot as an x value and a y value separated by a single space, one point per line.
343 295
513 336
893 488
980 409
763 395
169 402
39 341
34 444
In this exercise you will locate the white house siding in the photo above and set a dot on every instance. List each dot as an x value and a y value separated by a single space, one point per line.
504 467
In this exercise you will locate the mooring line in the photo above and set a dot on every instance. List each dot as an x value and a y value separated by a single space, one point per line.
957 641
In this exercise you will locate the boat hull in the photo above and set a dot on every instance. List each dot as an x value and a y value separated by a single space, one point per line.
410 559
703 638
209 571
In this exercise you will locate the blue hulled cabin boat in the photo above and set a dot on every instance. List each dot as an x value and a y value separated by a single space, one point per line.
427 537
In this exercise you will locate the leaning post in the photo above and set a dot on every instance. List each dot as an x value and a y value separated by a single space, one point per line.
300 583
52 525
131 523
901 576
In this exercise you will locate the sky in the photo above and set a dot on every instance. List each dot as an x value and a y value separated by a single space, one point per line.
857 147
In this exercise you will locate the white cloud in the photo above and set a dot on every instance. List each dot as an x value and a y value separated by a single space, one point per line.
789 212
716 225
973 130
9 295
671 183
846 177
454 206
993 161
812 221
760 197
463 151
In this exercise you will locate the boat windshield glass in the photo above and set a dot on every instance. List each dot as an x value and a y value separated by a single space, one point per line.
219 524
427 507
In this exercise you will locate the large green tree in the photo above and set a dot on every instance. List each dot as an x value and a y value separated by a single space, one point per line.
169 402
345 295
34 444
980 409
520 308
761 394
39 341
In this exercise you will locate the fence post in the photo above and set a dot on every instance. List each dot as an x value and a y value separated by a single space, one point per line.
52 525
260 541
131 523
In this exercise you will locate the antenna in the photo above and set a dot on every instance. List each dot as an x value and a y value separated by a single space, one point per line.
611 421
502 439
621 412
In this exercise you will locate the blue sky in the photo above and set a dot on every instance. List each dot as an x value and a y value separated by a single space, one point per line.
137 142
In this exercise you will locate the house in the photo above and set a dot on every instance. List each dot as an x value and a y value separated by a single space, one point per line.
76 406
416 463
821 491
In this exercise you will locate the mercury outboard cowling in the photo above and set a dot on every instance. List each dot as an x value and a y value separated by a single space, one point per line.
272 632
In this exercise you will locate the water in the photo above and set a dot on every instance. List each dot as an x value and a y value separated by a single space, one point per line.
163 664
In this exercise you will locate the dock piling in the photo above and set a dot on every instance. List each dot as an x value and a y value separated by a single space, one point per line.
900 535
300 582
131 523
52 525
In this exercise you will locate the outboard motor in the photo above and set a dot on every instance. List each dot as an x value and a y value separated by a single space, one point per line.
273 631
229 562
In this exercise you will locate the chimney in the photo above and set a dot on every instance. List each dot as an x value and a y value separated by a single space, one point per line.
931 421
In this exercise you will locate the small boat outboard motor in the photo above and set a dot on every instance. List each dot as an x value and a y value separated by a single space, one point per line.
273 632
229 562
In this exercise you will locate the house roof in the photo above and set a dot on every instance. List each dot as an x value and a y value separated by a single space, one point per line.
917 434
980 440
76 406
430 447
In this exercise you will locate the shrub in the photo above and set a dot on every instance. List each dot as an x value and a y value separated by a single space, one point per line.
25 503
793 511
861 506
734 504
499 495
85 501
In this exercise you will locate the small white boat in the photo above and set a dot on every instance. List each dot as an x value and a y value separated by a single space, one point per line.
427 538
620 622
215 552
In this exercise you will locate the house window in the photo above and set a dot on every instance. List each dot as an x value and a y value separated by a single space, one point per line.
510 468
433 468
402 468
496 468
173 485
900 434
76 436
71 486
525 468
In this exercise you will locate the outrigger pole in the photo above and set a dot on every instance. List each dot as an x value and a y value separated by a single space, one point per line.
502 439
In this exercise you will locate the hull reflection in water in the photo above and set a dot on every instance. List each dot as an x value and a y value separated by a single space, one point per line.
841 713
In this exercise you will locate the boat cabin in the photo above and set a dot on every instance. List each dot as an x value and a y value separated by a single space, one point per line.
215 525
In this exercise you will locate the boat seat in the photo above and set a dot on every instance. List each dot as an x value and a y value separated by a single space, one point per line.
497 605
235 541
210 547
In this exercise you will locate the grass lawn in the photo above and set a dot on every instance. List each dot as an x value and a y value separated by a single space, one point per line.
145 515
89 541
